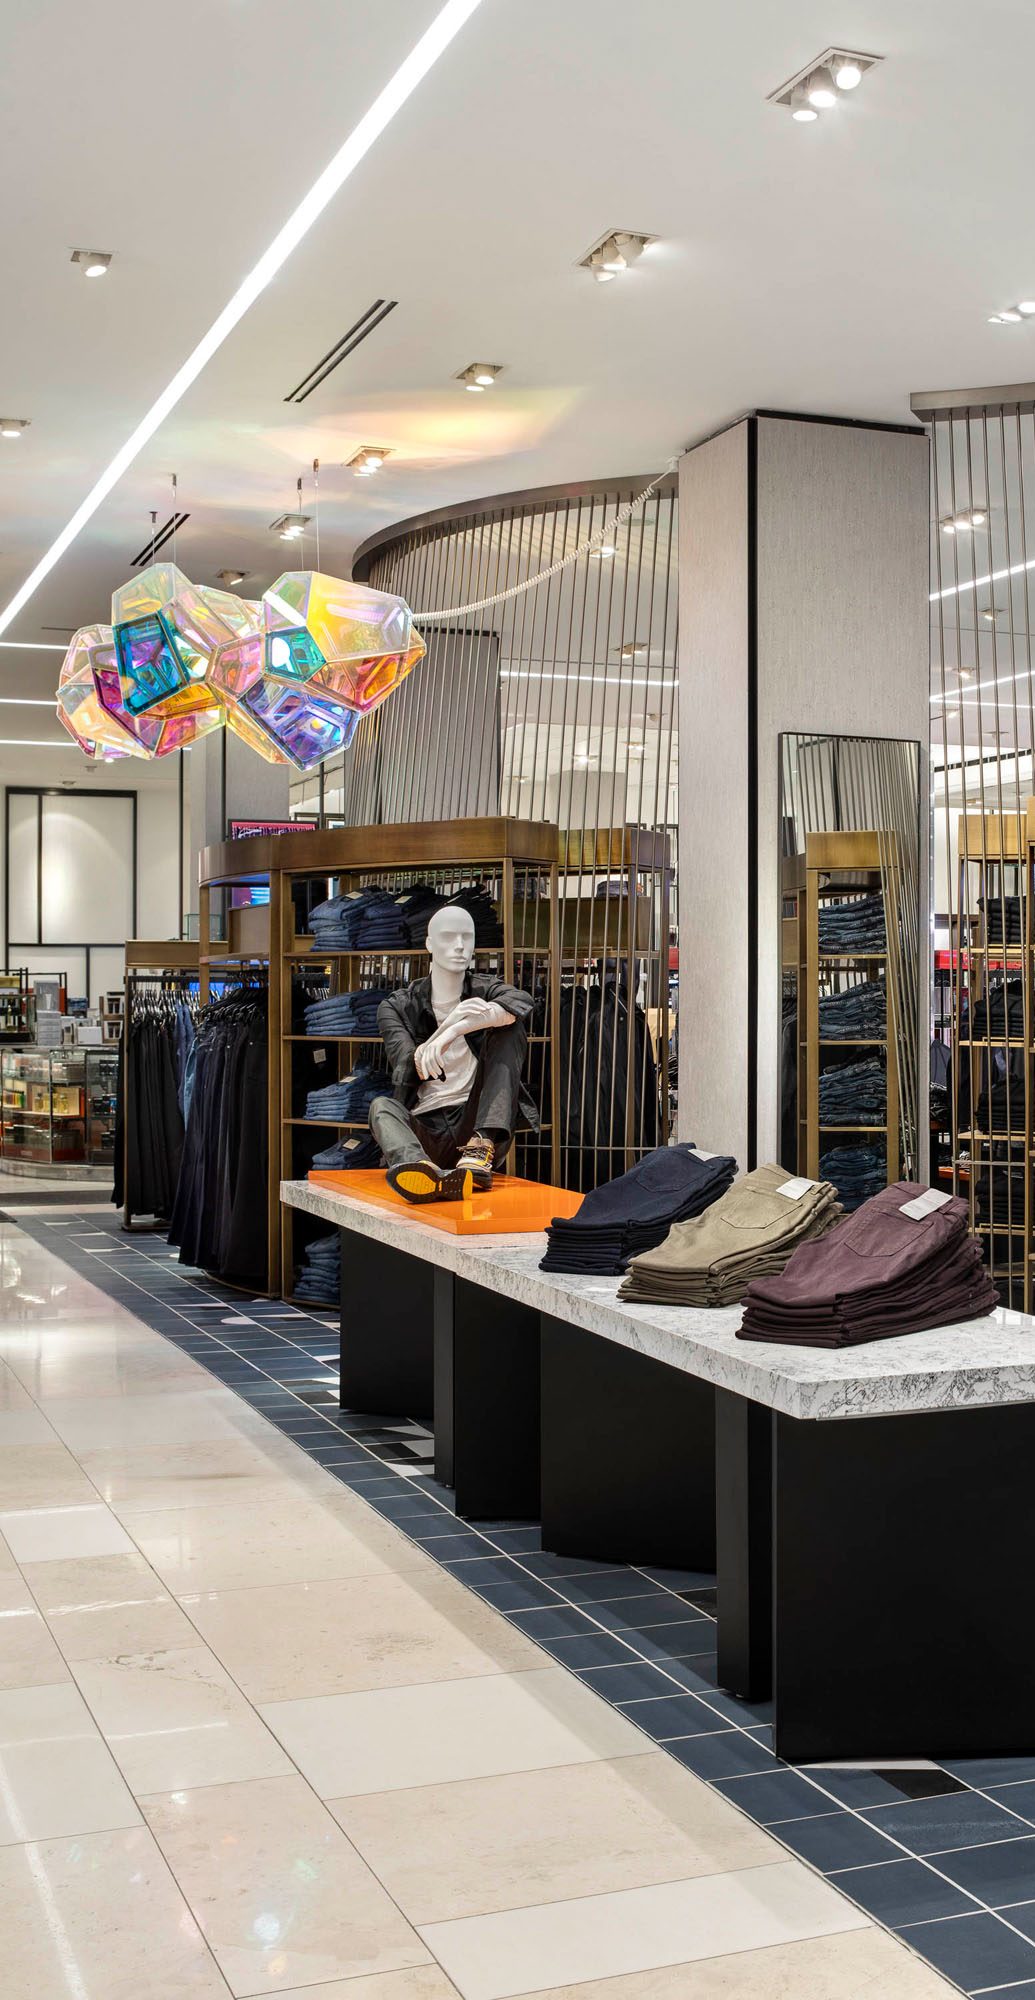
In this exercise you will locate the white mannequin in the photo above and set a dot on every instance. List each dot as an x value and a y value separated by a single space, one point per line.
450 943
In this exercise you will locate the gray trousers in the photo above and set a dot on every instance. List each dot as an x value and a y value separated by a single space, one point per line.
492 1108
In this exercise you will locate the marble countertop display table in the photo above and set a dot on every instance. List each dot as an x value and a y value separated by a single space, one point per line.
874 1506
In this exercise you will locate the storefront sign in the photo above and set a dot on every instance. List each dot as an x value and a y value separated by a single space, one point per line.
260 829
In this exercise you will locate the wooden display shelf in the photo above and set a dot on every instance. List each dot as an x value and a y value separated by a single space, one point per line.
845 865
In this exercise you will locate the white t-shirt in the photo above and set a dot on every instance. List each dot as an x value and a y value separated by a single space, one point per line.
459 1062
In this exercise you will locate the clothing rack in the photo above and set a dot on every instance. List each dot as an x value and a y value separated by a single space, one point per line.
169 964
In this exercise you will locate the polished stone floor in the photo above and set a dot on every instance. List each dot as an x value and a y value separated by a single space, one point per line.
254 1740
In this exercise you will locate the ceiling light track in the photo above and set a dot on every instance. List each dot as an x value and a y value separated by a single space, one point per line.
822 84
411 72
342 348
614 254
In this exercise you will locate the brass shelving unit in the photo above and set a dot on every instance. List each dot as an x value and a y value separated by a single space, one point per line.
839 866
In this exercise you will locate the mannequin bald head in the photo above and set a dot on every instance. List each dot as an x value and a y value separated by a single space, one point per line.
450 939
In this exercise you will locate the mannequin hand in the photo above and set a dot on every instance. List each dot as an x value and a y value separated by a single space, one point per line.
427 1059
474 1013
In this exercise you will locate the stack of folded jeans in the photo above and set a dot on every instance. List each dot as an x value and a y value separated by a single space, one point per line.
335 924
749 1233
1004 919
319 1280
1002 1108
1000 1011
999 1195
904 1262
382 926
347 1013
860 1014
417 906
633 1213
349 1156
857 925
348 1101
857 1172
854 1094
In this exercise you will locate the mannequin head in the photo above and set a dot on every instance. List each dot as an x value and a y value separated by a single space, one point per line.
450 939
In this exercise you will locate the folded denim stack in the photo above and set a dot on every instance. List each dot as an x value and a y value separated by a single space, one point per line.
335 924
348 1101
999 1196
857 1172
855 1093
904 1262
749 1233
1000 1011
418 905
349 1156
347 1013
381 926
1004 919
319 1280
633 1213
860 1014
857 925
1002 1108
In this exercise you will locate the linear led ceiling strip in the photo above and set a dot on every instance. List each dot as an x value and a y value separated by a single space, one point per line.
422 57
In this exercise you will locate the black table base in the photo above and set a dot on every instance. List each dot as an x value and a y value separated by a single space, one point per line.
386 1329
486 1401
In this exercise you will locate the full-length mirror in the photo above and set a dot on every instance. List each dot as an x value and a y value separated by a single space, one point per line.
850 957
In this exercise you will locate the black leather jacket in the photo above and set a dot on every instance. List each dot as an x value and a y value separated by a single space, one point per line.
407 1018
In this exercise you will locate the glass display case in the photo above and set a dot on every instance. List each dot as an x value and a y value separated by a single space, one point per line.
58 1112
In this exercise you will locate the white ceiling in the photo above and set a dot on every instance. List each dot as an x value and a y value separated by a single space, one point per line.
830 268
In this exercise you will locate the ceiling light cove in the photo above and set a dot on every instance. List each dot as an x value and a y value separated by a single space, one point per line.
615 253
92 263
480 375
290 527
12 427
425 53
822 84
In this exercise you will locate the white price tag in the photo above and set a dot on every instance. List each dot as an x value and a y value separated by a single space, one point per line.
793 1190
351 1144
923 1205
699 1154
319 1055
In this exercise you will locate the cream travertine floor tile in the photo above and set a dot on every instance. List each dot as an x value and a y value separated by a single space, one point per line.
100 1918
156 1478
13 1395
42 1475
26 1425
394 1739
175 1719
357 1632
271 1847
461 1849
858 1965
299 1538
28 1655
106 1605
421 1982
187 1416
552 1944
57 1775
54 1534
108 1368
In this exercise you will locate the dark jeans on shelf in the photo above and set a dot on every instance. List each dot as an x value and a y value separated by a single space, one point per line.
492 1108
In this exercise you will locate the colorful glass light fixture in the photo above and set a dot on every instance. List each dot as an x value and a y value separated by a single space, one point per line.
291 676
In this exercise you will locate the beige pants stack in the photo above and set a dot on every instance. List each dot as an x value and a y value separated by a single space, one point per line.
749 1233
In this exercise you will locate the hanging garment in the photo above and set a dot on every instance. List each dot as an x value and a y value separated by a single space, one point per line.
608 1082
219 1217
149 1125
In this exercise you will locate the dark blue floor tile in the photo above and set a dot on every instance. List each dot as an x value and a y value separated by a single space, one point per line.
781 1794
870 1788
965 1819
1018 1799
685 1638
751 1713
1022 1917
977 1952
454 1547
721 1753
836 1839
1022 1989
594 1649
697 1672
627 1593
677 1579
648 1615
635 1681
670 1715
473 1570
576 1570
982 1772
901 1892
516 1541
521 1593
1002 1872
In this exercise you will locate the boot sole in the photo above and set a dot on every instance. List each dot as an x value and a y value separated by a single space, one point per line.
420 1184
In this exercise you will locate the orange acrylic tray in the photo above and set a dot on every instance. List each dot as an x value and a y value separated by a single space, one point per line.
511 1208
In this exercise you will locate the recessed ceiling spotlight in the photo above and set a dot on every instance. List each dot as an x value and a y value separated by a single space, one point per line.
368 460
603 554
636 749
290 527
991 612
230 578
954 524
92 263
631 649
1026 306
480 375
820 85
12 427
821 92
614 253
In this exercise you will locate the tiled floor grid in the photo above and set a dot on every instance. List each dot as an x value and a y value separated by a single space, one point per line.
252 1598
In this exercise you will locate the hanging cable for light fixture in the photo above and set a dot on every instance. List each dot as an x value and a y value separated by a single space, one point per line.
316 506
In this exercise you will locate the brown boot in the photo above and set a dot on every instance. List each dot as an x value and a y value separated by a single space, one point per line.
477 1159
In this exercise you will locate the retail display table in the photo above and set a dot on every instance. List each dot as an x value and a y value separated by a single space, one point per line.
874 1506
